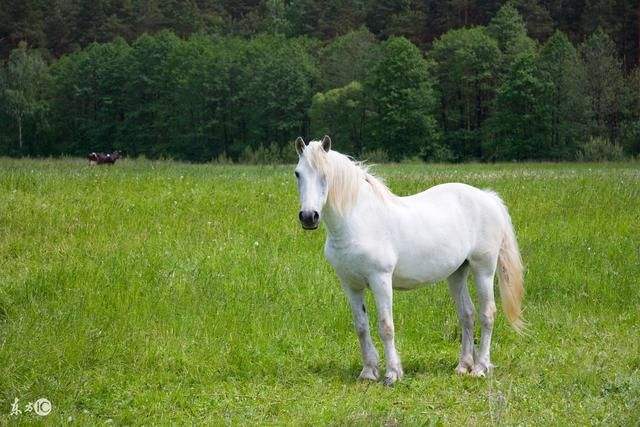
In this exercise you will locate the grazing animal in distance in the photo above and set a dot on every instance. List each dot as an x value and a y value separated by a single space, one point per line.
104 159
381 241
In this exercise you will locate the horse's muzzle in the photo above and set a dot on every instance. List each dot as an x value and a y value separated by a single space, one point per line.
309 219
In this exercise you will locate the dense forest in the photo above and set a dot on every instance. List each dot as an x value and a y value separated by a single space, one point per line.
438 80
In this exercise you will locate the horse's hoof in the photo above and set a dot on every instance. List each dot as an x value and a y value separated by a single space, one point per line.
478 373
391 377
369 373
480 370
463 369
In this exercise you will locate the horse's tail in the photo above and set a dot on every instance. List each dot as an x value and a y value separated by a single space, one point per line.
510 275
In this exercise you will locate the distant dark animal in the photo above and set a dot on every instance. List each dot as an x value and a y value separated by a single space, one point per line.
104 159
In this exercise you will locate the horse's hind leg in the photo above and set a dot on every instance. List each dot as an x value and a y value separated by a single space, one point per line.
464 305
484 273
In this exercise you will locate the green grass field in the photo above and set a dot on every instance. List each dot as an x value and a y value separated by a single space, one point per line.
167 293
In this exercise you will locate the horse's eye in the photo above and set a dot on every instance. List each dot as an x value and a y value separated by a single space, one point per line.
297 174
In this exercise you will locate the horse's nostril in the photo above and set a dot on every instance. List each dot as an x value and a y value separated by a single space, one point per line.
300 215
316 216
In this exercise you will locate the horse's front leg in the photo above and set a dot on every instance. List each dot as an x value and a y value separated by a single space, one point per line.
383 292
361 323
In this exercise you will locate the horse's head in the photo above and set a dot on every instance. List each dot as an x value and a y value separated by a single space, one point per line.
312 180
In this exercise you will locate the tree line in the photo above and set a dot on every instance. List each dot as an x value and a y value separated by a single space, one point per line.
488 92
64 26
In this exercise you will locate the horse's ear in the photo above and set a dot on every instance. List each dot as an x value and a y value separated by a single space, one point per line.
326 143
299 144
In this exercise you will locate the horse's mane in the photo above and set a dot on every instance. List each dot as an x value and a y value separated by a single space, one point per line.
344 176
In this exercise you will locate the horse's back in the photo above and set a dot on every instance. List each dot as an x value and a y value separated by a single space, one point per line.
447 190
442 227
484 213
469 200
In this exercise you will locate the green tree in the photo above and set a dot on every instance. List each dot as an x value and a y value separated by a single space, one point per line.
516 129
91 99
90 20
58 28
446 15
341 113
466 68
21 21
206 117
151 94
380 13
509 30
411 23
278 77
182 16
149 16
538 20
323 19
403 100
348 58
275 18
24 83
620 20
566 98
630 128
604 84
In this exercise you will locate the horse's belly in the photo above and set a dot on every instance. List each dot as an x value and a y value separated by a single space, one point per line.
406 283
412 272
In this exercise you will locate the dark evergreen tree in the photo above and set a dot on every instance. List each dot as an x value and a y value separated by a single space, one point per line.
537 18
509 30
566 97
630 126
91 100
604 84
278 79
348 58
466 68
410 23
516 128
381 12
403 99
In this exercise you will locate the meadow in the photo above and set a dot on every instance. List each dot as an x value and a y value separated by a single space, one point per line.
169 293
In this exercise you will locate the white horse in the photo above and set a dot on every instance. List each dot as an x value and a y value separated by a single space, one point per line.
384 242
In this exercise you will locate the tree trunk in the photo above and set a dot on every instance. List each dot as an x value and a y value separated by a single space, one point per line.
20 132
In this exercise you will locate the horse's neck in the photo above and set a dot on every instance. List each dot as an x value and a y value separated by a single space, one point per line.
337 225
366 207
